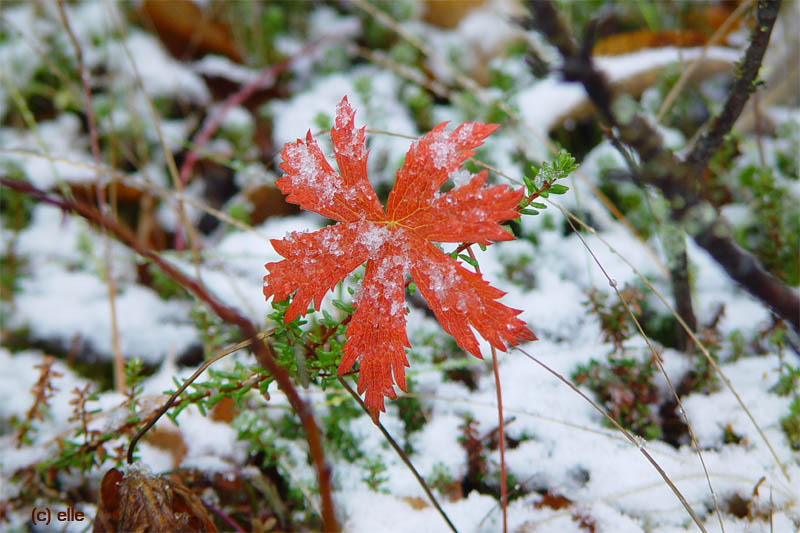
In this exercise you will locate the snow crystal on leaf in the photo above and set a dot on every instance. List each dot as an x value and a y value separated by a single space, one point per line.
465 132
310 173
373 236
332 243
443 279
461 177
443 150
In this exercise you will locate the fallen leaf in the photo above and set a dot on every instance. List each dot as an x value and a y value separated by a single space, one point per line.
138 501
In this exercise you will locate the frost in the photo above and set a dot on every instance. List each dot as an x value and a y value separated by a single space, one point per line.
461 177
443 150
311 174
373 237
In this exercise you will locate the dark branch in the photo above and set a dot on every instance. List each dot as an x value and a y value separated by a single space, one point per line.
677 179
263 351
745 84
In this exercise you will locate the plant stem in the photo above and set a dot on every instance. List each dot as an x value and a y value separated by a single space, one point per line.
500 424
263 352
403 455
501 440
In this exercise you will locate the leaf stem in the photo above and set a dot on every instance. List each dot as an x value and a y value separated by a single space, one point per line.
403 455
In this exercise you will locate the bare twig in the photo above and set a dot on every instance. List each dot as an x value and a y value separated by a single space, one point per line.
263 352
119 363
678 180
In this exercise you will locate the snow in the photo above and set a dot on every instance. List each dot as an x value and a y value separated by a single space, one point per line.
160 74
373 236
148 327
544 104
222 67
61 144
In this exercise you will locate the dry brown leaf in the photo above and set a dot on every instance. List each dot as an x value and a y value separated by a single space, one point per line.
448 13
625 43
138 501
186 31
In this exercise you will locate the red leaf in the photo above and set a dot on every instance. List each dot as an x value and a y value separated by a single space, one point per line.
394 244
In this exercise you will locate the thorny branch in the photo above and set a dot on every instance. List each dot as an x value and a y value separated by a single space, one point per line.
679 179
263 351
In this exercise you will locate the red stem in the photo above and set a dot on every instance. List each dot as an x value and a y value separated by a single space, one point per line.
212 124
500 424
263 351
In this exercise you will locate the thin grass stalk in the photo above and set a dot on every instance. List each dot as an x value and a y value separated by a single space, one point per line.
657 358
633 439
691 335
403 455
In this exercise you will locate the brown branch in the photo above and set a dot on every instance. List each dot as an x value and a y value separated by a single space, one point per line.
677 179
263 351
743 87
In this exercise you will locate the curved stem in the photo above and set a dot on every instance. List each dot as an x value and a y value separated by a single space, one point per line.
264 353
403 455
174 396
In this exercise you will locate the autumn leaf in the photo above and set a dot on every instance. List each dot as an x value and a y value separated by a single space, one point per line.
394 242
139 501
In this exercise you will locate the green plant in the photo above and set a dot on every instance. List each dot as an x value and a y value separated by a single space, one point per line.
790 424
543 182
375 473
773 232
626 389
615 323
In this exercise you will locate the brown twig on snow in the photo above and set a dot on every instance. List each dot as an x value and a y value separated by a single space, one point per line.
42 391
263 351
119 363
677 179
